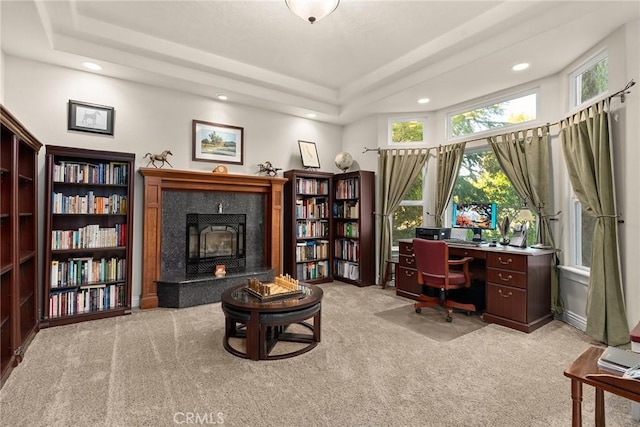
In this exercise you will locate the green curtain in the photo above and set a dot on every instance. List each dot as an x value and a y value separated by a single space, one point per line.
587 153
524 158
397 169
449 159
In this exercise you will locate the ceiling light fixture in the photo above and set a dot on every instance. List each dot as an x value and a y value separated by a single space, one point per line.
312 10
520 67
222 96
92 66
423 100
311 115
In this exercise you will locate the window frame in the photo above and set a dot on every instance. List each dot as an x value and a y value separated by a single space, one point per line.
576 75
412 144
394 248
496 100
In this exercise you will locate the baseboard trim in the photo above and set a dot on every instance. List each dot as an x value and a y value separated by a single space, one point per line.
574 320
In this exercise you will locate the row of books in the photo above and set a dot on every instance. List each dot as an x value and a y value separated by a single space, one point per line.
346 269
347 189
312 208
312 229
90 236
349 209
88 204
312 270
312 186
347 229
86 300
86 270
347 249
115 173
311 250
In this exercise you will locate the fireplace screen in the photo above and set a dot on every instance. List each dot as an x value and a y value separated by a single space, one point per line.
214 239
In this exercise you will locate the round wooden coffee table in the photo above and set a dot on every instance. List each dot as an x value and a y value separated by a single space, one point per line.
264 323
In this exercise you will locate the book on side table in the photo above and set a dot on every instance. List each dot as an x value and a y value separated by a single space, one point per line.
619 360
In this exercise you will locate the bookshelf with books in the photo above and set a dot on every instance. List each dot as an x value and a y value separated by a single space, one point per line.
307 216
19 237
354 228
88 240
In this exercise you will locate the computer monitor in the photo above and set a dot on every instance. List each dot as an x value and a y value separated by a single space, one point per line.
476 216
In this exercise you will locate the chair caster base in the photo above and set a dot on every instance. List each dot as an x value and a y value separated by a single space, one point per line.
418 310
449 319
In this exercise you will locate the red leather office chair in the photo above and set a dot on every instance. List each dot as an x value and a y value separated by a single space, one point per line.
433 265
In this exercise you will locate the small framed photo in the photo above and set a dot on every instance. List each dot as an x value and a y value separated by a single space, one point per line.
94 118
215 142
309 154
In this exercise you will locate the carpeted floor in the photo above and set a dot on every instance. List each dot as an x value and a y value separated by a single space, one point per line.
167 367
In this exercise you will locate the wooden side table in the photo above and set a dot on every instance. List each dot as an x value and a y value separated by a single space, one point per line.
585 370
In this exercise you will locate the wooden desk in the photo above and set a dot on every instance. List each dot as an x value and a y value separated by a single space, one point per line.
585 370
518 281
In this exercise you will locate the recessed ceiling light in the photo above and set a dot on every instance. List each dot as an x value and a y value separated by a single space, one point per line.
520 67
311 115
92 66
222 97
423 100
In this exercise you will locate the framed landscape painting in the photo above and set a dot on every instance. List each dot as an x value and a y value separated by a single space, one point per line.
215 142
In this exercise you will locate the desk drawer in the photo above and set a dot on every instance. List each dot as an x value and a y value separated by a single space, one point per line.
407 280
405 248
458 252
507 261
507 277
407 261
507 302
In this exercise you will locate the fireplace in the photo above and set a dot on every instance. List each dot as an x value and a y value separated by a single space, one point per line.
214 239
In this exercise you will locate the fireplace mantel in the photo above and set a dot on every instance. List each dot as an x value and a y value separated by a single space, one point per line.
158 180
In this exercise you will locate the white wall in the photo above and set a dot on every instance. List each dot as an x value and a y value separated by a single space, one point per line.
152 119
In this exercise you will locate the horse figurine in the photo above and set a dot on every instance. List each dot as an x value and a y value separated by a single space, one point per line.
268 169
162 157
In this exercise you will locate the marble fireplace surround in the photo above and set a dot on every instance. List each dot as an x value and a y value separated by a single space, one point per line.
157 181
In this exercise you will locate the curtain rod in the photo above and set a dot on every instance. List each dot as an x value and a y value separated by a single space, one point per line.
621 93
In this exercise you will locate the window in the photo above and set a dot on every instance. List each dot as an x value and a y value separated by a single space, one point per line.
407 132
589 80
586 83
583 236
409 214
503 112
481 179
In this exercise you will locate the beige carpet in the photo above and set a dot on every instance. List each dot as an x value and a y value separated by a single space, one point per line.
159 367
431 322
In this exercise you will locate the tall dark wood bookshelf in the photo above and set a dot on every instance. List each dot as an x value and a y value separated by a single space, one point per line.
88 235
307 231
19 237
354 228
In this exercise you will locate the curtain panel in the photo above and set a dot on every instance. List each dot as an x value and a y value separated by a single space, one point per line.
524 158
397 169
587 151
449 160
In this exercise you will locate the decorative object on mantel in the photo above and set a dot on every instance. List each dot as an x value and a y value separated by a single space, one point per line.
344 161
220 270
309 154
220 169
267 168
162 157
503 228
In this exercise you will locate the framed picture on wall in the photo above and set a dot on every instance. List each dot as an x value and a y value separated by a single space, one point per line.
309 154
215 142
94 118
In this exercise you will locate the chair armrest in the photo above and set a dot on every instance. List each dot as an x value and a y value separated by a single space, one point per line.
460 261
